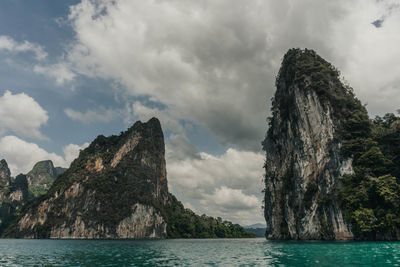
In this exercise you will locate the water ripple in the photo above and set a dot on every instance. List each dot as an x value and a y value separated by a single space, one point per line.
199 252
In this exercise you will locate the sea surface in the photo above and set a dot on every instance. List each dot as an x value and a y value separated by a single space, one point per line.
196 252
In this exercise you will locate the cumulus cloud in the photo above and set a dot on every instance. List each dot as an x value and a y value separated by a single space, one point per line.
183 55
228 185
21 114
228 199
60 72
21 155
71 151
9 44
92 116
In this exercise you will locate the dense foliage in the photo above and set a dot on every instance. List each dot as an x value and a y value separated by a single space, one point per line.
371 196
42 177
259 232
183 223
10 208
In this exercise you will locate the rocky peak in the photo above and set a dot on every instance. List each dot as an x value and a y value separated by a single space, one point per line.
12 197
19 189
116 188
303 158
5 174
45 166
42 176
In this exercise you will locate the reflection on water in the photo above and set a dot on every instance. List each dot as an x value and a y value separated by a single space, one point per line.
205 252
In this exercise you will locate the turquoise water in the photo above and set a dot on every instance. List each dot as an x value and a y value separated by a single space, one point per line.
195 252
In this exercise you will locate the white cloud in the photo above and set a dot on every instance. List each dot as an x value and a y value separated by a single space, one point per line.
71 152
228 186
60 72
21 156
228 198
92 116
9 44
22 114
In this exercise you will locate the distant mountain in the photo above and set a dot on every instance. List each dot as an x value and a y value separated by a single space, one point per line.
259 232
258 229
257 225
42 176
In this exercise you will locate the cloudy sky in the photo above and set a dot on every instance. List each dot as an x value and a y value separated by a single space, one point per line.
71 70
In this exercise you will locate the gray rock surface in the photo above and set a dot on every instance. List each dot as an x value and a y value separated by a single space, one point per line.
13 194
303 161
5 175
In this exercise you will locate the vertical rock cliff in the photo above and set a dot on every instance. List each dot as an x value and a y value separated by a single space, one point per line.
116 188
5 174
304 162
13 194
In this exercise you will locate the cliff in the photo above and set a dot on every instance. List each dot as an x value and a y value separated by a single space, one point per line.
5 174
13 195
42 176
317 136
116 188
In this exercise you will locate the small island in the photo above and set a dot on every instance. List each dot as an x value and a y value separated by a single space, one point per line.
332 173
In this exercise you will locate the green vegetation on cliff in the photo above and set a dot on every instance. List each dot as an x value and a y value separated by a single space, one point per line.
12 199
183 223
103 186
42 176
371 196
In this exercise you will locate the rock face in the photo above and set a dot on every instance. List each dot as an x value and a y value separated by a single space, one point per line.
42 176
5 175
13 194
116 188
303 160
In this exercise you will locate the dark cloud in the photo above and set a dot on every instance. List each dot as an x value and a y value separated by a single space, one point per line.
179 148
212 63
